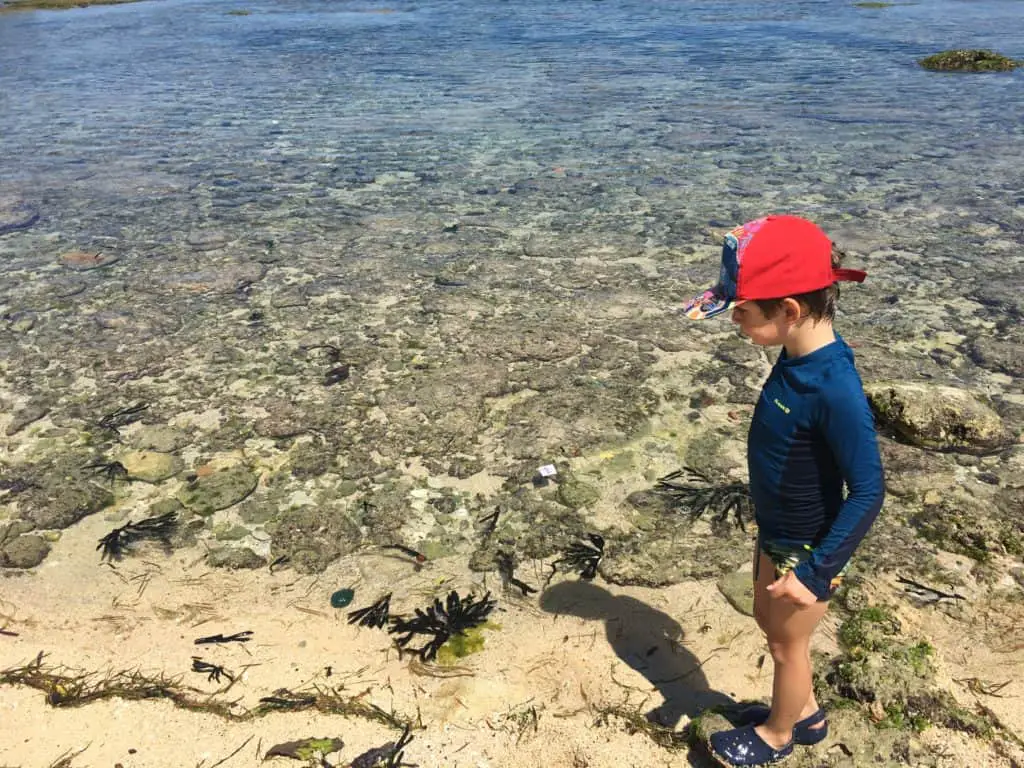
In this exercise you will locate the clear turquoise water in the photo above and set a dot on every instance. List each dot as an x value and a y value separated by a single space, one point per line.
630 126
717 99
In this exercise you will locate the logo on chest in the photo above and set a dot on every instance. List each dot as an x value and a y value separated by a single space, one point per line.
782 406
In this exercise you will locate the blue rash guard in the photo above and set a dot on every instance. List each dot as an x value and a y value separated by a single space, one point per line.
812 432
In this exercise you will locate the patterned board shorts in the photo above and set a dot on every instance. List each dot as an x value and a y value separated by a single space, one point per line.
786 557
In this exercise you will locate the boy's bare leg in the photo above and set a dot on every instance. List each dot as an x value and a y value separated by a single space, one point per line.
788 629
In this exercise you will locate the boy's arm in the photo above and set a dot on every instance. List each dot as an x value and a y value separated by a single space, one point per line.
849 429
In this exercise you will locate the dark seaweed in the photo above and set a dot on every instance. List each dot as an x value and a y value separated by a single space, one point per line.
160 528
440 621
699 493
375 615
506 567
387 755
582 557
213 672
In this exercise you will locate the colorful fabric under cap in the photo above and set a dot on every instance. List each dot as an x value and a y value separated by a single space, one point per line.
770 258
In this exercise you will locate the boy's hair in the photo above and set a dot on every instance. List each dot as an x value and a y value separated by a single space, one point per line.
819 304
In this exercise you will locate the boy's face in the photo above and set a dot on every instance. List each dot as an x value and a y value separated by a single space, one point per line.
760 329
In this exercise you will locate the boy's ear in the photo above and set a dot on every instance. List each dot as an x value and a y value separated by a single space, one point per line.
792 310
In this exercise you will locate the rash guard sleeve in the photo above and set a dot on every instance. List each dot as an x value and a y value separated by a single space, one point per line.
847 425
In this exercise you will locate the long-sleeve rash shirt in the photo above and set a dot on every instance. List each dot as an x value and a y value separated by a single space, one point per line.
813 432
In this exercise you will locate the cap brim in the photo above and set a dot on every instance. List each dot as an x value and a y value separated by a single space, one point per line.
708 304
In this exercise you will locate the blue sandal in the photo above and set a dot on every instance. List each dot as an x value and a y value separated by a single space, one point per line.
804 733
743 747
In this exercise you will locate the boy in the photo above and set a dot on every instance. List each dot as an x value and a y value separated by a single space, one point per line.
811 433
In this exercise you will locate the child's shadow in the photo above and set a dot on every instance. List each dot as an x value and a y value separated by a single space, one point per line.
648 640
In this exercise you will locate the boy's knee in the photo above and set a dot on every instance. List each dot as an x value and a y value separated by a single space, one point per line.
787 651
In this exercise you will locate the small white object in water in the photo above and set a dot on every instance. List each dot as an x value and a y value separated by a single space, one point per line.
548 470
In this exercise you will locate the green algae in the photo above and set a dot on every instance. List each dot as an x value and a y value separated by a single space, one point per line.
973 60
57 5
893 680
461 645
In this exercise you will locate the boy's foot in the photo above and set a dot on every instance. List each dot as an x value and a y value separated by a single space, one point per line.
744 747
811 730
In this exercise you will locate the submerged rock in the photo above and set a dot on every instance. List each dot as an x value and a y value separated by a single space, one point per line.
26 551
22 417
207 239
973 60
65 504
83 261
160 438
219 490
234 558
575 494
16 214
1000 356
937 417
151 466
312 538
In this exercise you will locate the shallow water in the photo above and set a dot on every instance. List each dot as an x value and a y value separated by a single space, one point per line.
711 109
492 214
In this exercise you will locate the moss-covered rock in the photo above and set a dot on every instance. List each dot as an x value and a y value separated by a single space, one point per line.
738 588
234 558
968 526
313 537
575 494
937 417
151 466
890 678
969 60
62 505
311 460
26 551
219 490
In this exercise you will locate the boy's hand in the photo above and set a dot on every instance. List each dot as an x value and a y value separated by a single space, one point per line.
789 588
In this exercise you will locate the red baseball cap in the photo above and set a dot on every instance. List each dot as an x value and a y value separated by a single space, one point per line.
770 258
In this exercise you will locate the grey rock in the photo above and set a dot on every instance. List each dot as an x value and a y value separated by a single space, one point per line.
24 552
234 558
738 589
314 537
938 417
22 417
207 240
65 504
292 296
160 438
16 214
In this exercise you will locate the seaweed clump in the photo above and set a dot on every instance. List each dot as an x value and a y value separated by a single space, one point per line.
441 622
160 528
972 60
582 556
698 493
